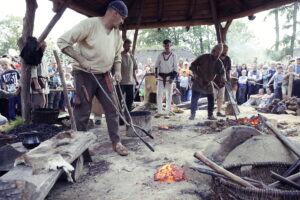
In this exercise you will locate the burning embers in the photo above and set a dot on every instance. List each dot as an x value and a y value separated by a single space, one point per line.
254 121
169 173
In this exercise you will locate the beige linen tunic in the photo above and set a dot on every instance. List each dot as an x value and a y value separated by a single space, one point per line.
102 50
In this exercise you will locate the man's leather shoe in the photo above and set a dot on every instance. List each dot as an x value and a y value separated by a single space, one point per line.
120 149
219 114
211 117
192 117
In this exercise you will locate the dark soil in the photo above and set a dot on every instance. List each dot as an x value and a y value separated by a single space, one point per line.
44 131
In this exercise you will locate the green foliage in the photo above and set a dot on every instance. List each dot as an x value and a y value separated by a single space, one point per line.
11 30
13 124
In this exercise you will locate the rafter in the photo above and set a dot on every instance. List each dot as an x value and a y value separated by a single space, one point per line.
215 19
160 9
192 5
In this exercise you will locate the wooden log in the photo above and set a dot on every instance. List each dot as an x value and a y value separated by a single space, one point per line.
285 180
281 137
223 171
41 184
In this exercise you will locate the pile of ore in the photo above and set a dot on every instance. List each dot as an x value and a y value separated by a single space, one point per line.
44 131
280 107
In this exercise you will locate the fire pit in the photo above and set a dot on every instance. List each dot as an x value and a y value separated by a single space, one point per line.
169 173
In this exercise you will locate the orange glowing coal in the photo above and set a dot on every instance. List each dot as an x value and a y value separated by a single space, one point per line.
164 128
254 121
169 173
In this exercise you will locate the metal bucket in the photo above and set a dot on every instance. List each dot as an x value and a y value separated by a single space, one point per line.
142 119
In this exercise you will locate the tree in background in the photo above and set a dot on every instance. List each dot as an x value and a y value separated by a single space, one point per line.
11 30
291 24
287 45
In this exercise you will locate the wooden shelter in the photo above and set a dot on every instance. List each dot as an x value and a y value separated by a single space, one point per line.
146 14
169 13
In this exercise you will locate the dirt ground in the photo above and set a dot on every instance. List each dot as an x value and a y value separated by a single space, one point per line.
110 176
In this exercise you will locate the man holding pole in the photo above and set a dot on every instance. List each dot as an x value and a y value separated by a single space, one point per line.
99 50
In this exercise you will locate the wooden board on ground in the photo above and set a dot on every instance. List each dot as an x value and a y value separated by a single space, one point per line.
20 183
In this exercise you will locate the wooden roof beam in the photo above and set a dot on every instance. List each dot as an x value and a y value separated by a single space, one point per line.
192 5
266 6
215 19
160 9
173 23
142 3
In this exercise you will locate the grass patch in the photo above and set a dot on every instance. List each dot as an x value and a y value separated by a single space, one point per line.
13 124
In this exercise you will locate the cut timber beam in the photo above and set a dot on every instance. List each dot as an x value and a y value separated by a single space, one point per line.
20 184
215 20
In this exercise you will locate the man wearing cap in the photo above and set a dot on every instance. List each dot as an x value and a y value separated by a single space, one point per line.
99 46
205 68
166 68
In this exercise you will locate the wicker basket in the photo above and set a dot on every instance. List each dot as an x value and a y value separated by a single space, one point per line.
228 190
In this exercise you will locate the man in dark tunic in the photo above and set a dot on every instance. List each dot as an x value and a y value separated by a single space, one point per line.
205 68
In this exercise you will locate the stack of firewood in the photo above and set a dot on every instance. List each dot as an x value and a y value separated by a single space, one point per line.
280 107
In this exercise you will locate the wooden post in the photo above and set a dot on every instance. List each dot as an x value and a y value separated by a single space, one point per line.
28 24
224 30
215 19
290 86
65 91
124 34
137 27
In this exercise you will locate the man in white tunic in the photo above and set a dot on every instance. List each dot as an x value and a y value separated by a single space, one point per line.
166 68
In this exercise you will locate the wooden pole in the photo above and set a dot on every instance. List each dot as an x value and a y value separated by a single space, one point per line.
28 25
137 27
223 171
290 86
53 21
124 34
65 91
281 137
215 19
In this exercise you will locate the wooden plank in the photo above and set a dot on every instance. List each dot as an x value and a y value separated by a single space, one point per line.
42 183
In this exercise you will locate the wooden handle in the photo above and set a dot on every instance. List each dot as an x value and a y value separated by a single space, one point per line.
223 171
281 137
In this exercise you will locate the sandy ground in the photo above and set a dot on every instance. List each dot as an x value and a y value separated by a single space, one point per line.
114 177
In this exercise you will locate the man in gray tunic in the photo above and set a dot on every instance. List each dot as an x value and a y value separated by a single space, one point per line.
205 68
